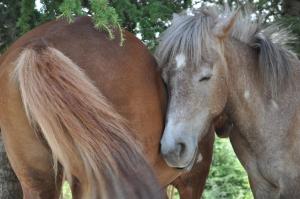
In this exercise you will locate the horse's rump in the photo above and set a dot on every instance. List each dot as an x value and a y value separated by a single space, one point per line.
85 134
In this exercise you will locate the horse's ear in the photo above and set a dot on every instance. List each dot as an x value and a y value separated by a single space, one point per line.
224 24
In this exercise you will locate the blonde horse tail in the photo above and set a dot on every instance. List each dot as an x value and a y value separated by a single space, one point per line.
85 134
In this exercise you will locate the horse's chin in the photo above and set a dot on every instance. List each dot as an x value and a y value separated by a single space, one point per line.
192 162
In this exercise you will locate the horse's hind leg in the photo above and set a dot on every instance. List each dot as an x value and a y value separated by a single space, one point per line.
29 157
32 163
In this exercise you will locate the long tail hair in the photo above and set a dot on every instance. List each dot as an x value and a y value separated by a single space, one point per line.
85 134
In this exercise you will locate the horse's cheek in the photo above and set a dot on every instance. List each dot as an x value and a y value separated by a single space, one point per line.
219 97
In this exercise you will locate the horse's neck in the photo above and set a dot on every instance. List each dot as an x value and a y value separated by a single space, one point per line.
248 107
243 96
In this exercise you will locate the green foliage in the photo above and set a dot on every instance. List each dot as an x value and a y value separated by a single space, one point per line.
27 13
70 9
50 9
9 15
66 191
105 17
227 178
148 18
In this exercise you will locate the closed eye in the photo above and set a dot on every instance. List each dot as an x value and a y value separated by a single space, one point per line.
205 78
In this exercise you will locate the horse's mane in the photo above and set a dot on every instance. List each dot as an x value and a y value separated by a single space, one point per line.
191 33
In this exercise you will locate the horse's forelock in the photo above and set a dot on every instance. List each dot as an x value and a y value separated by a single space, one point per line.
191 34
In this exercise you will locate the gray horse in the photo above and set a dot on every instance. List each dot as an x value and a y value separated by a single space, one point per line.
215 62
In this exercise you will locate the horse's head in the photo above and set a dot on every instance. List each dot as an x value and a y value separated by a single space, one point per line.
194 69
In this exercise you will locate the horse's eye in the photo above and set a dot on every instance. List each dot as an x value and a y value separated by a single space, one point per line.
205 78
205 74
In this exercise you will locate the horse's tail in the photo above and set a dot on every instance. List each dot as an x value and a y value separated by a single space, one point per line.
85 134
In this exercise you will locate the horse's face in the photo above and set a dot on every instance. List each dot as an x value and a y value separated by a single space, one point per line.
197 94
197 86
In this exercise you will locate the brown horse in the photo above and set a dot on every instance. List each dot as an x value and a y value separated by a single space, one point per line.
217 61
51 113
46 96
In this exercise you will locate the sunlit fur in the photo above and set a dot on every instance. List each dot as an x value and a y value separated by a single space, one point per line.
82 129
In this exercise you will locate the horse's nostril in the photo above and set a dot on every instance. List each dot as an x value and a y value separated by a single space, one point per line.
180 149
